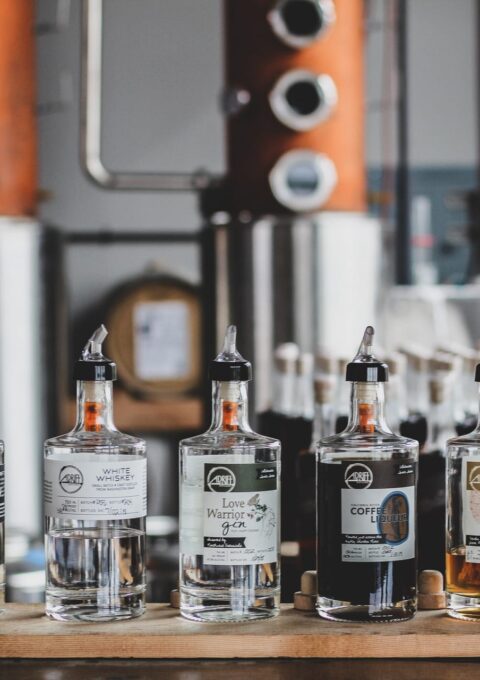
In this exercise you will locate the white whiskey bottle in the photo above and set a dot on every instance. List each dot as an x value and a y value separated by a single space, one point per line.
95 505
229 506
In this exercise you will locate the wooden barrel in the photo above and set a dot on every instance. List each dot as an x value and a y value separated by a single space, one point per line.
154 326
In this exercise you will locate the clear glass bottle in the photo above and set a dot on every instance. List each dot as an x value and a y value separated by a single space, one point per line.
229 506
366 486
2 527
95 505
463 524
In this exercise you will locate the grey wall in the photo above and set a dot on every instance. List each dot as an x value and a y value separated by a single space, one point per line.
163 75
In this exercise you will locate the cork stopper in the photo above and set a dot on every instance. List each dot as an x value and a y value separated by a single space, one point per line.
285 357
304 364
326 363
430 590
437 390
324 389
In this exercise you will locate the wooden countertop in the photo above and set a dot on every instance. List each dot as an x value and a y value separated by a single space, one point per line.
161 633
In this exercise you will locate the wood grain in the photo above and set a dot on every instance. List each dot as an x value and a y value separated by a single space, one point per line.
161 634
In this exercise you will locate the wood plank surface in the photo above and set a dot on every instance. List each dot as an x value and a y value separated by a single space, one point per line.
162 634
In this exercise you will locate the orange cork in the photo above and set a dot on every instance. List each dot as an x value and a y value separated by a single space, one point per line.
93 412
230 416
366 414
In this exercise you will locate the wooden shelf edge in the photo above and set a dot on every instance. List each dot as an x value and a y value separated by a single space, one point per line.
25 632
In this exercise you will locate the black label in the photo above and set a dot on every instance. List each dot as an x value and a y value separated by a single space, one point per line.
240 477
376 474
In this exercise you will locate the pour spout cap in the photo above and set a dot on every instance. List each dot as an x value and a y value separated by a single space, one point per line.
365 367
93 365
229 365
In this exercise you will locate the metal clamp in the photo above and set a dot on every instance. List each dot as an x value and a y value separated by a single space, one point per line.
91 127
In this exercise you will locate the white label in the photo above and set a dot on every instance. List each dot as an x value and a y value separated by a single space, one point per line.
91 489
240 513
471 508
161 340
378 511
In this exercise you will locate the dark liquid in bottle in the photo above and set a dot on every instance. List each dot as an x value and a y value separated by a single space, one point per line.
374 586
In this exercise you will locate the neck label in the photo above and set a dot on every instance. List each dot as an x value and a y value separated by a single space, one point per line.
95 487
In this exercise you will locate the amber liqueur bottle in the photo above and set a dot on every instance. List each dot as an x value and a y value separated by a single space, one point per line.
463 524
366 481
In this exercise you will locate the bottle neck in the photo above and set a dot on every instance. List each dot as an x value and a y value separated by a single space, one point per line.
367 408
323 425
230 407
94 406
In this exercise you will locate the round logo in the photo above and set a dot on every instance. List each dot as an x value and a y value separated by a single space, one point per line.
70 479
358 476
393 518
474 478
221 480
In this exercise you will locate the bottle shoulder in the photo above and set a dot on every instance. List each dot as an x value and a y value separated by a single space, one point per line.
471 439
378 440
227 440
105 439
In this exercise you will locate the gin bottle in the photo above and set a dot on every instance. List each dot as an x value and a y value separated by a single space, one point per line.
463 524
229 506
95 505
366 481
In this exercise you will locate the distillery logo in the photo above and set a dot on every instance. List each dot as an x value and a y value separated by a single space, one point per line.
358 476
70 479
473 477
221 480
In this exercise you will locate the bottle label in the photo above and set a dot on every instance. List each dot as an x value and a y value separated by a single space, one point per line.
87 489
240 513
378 511
162 340
471 508
2 493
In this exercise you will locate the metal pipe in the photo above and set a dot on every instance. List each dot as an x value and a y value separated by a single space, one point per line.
91 122
403 235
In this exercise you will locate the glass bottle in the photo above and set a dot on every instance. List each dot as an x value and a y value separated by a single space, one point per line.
229 506
366 481
463 524
2 527
323 426
95 505
432 473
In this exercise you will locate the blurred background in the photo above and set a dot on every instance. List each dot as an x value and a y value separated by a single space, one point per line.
301 168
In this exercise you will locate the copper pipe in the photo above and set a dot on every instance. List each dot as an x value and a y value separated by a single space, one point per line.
18 138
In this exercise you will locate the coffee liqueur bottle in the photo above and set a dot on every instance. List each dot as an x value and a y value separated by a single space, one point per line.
229 506
95 505
366 478
463 524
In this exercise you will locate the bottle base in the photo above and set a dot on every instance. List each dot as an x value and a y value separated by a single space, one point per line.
88 609
389 612
210 610
463 607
